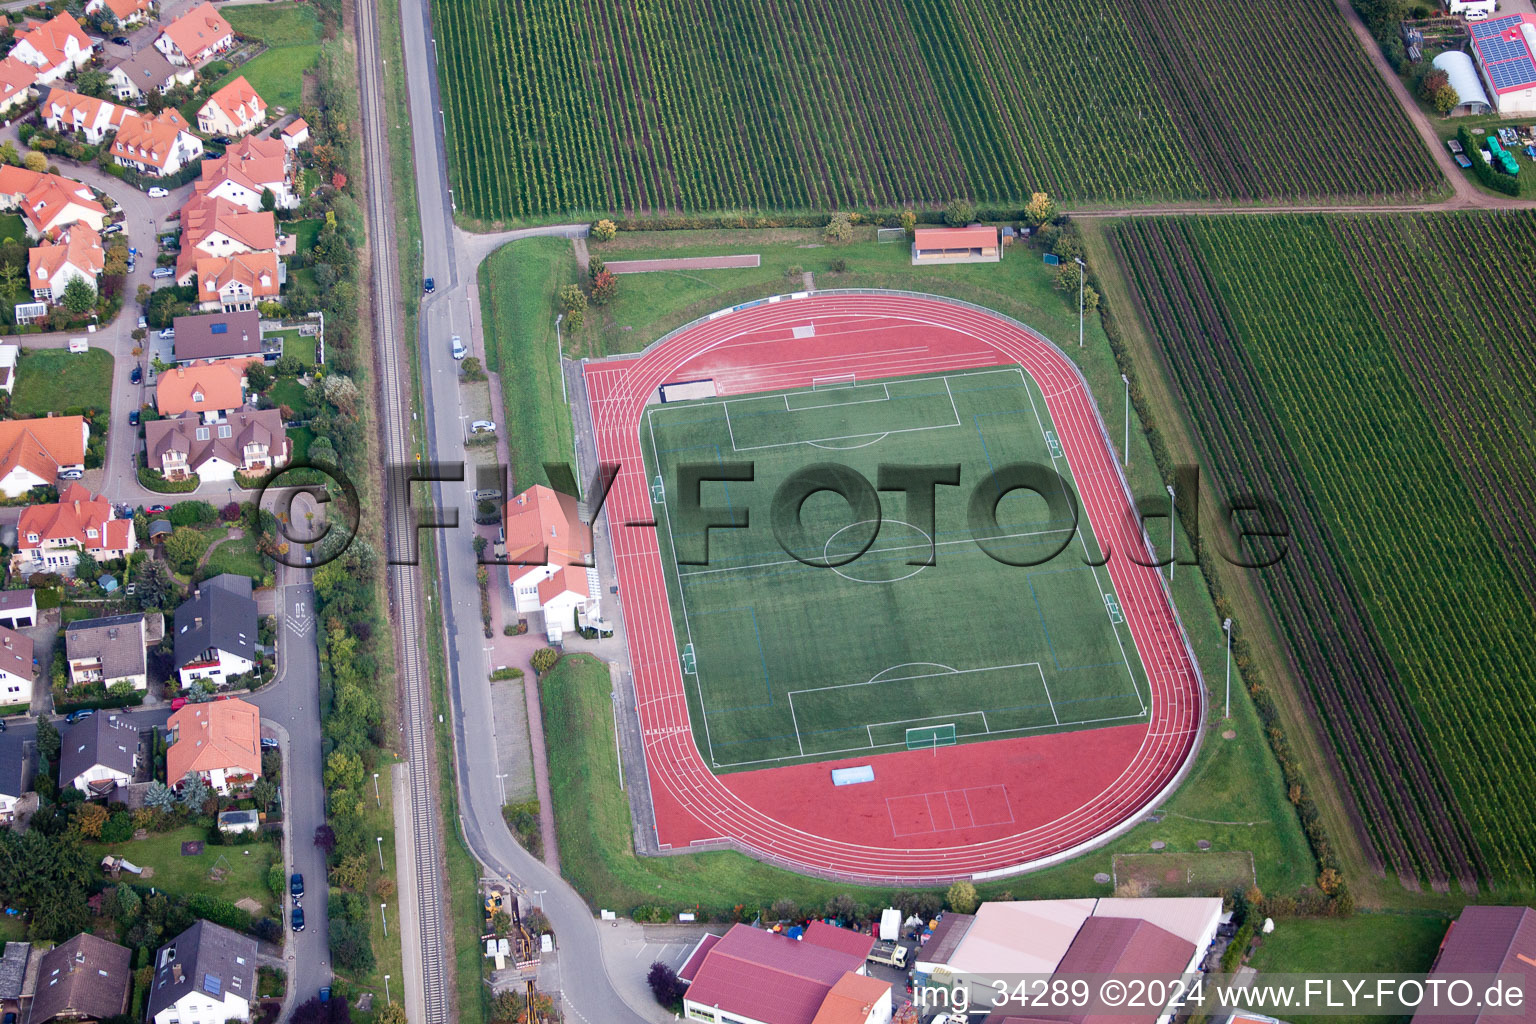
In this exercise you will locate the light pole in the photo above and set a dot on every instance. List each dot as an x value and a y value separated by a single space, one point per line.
376 799
381 853
383 918
1173 520
1127 449
560 358
1226 624
1081 266
386 990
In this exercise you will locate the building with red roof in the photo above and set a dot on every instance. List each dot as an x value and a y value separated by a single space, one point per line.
51 265
219 741
1486 940
214 226
16 78
87 116
36 451
49 538
1505 48
295 134
127 12
55 47
48 202
157 145
197 36
753 976
975 244
549 551
248 168
231 284
236 109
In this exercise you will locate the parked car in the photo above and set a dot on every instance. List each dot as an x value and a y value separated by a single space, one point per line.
459 351
112 229
137 375
179 703
169 334
429 286
143 324
221 140
482 427
487 494
133 265
268 743
157 510
296 885
2 725
159 193
297 917
133 417
163 272
76 716
121 41
71 474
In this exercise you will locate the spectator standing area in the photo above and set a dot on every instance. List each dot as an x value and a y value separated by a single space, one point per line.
975 244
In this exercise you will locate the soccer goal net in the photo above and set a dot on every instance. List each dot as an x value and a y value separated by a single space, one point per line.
890 234
927 737
689 665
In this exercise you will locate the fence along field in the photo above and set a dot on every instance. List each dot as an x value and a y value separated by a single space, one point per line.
1316 371
678 106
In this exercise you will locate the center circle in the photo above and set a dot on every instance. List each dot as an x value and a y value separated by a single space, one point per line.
886 560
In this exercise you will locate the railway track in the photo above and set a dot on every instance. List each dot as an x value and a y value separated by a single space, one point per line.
394 386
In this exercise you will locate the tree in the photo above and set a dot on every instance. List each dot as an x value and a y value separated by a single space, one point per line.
604 287
352 872
842 907
322 452
268 200
605 230
184 547
48 741
160 796
664 983
1040 209
313 1011
784 910
959 212
1445 99
839 229
922 905
79 296
394 1013
152 584
86 567
89 819
1431 82
572 300
908 221
35 161
10 279
472 368
961 897
343 770
194 791
264 791
325 839
127 901
544 659
258 378
192 513
8 154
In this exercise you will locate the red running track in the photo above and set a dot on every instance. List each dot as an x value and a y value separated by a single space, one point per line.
1021 802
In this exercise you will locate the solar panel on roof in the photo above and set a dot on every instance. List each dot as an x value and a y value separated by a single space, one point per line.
1493 26
1499 49
1513 74
212 985
218 329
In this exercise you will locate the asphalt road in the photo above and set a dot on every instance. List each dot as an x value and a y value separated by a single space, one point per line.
591 997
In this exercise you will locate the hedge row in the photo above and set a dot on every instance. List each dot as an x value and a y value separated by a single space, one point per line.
1484 172
160 485
757 221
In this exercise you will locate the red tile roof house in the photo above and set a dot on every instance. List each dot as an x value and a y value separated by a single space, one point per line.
127 12
245 170
1487 940
236 109
48 202
549 549
231 284
49 538
53 264
295 134
16 78
214 226
219 740
157 146
753 976
197 36
36 451
55 47
90 118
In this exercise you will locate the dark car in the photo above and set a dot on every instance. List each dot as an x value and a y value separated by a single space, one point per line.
120 41
156 510
296 885
221 140
76 716
133 417
429 286
2 725
297 917
137 375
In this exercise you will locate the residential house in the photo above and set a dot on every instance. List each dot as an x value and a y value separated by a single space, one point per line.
1487 941
52 265
235 109
295 134
127 12
219 741
158 146
85 978
148 71
18 668
108 650
549 550
205 975
197 36
48 202
240 282
218 336
16 982
752 976
36 451
99 754
216 630
249 441
16 91
9 354
246 169
50 538
18 608
90 118
210 390
55 47
214 226
16 773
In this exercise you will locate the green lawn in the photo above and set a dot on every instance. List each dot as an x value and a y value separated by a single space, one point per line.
296 344
304 232
284 24
292 34
12 228
237 556
245 864
56 380
288 391
931 665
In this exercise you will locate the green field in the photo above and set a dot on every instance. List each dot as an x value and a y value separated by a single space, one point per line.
838 637
564 108
55 380
1331 364
292 33
242 866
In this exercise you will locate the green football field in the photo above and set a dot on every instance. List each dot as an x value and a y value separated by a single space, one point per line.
881 628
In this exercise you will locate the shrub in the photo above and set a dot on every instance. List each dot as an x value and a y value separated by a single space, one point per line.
839 229
959 212
604 230
961 897
544 659
664 984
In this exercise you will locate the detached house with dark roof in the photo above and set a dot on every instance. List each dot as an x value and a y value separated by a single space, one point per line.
1486 940
18 667
216 631
99 754
84 978
108 650
218 336
206 975
244 441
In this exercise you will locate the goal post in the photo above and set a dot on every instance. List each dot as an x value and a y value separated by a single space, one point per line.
690 665
931 737
883 235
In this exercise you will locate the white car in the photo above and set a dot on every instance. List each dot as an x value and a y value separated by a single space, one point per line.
482 427
158 193
164 272
459 351
169 334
